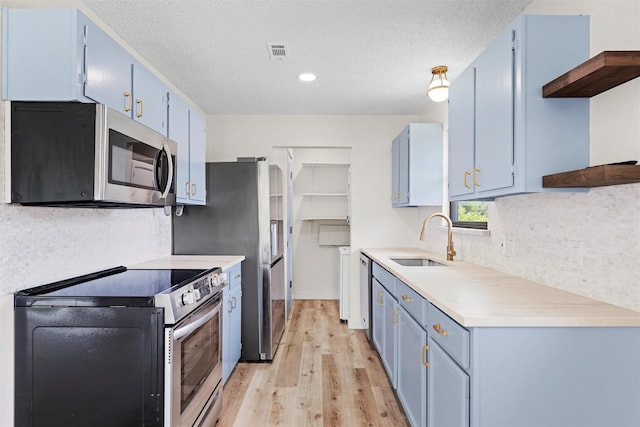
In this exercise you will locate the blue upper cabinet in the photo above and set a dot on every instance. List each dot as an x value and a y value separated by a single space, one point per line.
187 129
108 71
503 136
43 54
417 166
149 99
61 55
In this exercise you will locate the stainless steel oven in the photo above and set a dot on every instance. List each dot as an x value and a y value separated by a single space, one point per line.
120 348
193 367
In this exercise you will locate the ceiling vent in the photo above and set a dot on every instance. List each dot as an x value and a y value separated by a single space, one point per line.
278 51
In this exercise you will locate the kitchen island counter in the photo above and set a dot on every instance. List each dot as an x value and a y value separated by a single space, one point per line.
225 262
478 296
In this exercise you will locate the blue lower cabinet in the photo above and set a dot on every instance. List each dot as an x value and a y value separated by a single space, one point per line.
231 322
377 315
448 386
512 376
385 325
412 368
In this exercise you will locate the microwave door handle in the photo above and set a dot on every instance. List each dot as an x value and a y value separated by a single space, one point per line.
165 193
170 178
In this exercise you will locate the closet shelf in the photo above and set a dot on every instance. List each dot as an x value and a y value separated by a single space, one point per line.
324 194
325 165
596 75
594 176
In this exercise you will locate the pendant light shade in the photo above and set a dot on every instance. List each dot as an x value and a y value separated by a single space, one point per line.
438 89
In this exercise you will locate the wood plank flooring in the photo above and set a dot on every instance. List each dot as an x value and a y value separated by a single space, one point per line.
324 374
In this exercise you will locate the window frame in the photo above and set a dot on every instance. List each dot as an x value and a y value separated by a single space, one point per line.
476 225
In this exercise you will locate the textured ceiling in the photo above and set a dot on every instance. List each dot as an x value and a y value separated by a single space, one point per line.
370 56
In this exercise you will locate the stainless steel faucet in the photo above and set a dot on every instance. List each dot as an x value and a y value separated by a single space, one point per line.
450 251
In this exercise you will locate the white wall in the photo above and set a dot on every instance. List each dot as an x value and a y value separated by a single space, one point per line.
587 243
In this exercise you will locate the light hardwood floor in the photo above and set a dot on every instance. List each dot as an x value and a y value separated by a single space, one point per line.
324 374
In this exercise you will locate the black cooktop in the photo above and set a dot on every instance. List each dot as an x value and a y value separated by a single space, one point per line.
116 286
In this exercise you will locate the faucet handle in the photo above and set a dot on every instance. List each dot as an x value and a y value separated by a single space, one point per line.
451 252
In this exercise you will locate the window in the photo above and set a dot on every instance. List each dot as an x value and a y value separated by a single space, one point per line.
469 214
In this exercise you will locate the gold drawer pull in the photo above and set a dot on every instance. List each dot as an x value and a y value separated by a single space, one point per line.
395 317
128 100
442 332
140 111
425 348
406 298
379 298
466 173
475 177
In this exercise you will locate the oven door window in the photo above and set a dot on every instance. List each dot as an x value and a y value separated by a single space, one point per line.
200 353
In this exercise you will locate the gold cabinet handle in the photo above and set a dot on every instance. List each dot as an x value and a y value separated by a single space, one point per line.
437 328
127 101
194 189
425 348
397 196
140 112
395 317
406 298
475 177
379 298
186 188
466 174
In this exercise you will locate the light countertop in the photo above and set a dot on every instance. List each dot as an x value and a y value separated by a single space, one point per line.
478 296
225 262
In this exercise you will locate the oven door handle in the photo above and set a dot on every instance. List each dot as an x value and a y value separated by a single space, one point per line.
189 328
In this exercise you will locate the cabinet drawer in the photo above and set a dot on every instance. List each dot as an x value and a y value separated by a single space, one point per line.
385 278
234 276
453 338
410 300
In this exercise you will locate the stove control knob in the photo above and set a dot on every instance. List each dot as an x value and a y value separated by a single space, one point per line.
215 281
188 298
196 294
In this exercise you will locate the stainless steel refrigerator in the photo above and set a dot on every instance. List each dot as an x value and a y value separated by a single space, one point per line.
242 217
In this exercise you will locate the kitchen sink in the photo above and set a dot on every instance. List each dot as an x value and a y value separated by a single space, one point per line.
417 262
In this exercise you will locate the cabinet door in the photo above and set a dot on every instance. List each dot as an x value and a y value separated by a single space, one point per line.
226 334
412 368
389 344
108 70
150 99
400 156
179 132
43 54
494 115
377 315
197 156
462 133
236 327
448 397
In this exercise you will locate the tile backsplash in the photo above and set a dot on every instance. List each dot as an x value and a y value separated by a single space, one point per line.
40 245
583 242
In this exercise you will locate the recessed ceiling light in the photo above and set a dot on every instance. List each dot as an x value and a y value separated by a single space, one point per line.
307 77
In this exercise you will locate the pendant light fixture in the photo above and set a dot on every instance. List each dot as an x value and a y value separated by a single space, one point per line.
438 89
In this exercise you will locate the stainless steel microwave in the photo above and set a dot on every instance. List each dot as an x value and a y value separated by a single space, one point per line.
80 154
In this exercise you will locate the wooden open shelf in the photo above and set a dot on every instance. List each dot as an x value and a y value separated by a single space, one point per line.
594 176
600 73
